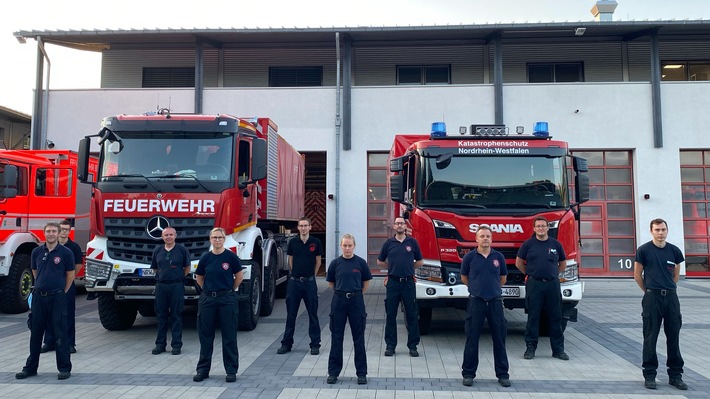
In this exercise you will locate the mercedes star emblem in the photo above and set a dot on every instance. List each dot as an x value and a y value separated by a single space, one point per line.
155 227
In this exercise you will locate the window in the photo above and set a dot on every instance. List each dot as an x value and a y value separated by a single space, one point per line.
424 75
695 191
168 77
556 73
53 182
295 76
685 70
378 228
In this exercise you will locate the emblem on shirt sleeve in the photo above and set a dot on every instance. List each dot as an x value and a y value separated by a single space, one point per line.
496 263
57 260
225 266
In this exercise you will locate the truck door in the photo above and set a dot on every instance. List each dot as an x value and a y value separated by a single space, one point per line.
14 211
53 197
248 211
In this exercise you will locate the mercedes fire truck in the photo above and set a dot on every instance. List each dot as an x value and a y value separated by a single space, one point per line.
447 186
193 173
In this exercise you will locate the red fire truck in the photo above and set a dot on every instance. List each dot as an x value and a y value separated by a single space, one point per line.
446 187
36 186
194 173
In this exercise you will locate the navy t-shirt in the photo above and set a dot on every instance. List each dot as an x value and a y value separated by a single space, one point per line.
659 265
304 255
484 273
400 256
219 270
170 265
542 257
52 267
348 274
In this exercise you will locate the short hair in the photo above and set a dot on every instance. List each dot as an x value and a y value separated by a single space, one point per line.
221 230
484 228
347 236
51 224
305 219
65 222
540 218
658 221
170 227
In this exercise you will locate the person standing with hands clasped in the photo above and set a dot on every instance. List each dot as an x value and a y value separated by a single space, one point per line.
53 270
542 258
218 273
484 271
656 271
171 262
400 255
304 257
349 277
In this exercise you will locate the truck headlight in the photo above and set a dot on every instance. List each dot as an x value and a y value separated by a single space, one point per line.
570 274
431 273
97 271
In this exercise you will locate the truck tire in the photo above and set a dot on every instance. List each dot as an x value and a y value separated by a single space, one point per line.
269 297
424 320
250 308
116 315
16 286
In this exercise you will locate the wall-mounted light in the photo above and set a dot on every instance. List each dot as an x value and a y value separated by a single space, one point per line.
50 144
579 31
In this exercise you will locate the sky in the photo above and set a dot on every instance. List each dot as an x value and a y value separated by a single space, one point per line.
73 69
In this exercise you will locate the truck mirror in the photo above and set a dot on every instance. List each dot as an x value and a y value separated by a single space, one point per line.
115 147
397 188
581 187
8 182
579 164
258 159
397 164
443 161
82 169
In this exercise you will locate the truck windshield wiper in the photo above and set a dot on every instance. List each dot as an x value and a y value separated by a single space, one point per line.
123 176
524 205
189 176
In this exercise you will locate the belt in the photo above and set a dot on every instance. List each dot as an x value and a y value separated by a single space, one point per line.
400 279
48 293
544 280
348 294
303 279
215 294
662 292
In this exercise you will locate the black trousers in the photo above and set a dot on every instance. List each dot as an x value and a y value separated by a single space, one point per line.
479 310
657 309
71 321
406 292
546 295
222 311
308 292
352 310
169 303
52 308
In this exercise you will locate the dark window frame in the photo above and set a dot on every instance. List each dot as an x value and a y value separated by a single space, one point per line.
296 76
686 66
423 74
555 71
163 77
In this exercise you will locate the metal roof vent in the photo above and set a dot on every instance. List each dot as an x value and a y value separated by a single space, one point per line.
603 10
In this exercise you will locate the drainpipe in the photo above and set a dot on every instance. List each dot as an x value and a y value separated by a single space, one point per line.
338 124
656 92
38 129
498 78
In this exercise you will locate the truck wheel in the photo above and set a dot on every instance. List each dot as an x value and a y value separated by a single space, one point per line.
249 309
16 287
269 297
116 315
424 320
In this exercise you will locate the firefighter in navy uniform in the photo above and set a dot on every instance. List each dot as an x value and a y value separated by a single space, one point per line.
304 257
542 258
483 270
171 262
53 269
64 230
218 273
400 255
349 277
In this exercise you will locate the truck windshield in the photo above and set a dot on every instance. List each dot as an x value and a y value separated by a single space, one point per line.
201 156
494 182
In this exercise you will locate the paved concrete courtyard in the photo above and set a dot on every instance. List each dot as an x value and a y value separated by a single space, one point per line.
604 347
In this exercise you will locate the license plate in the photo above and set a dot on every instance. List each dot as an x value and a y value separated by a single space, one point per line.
146 272
511 291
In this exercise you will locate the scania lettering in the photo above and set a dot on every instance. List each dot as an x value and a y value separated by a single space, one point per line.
447 187
193 173
36 187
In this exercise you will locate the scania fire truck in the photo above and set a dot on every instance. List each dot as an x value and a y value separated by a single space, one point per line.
446 187
193 173
36 187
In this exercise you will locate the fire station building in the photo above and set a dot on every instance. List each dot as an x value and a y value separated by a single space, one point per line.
632 97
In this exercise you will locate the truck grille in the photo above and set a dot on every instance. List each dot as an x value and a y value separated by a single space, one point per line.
128 240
